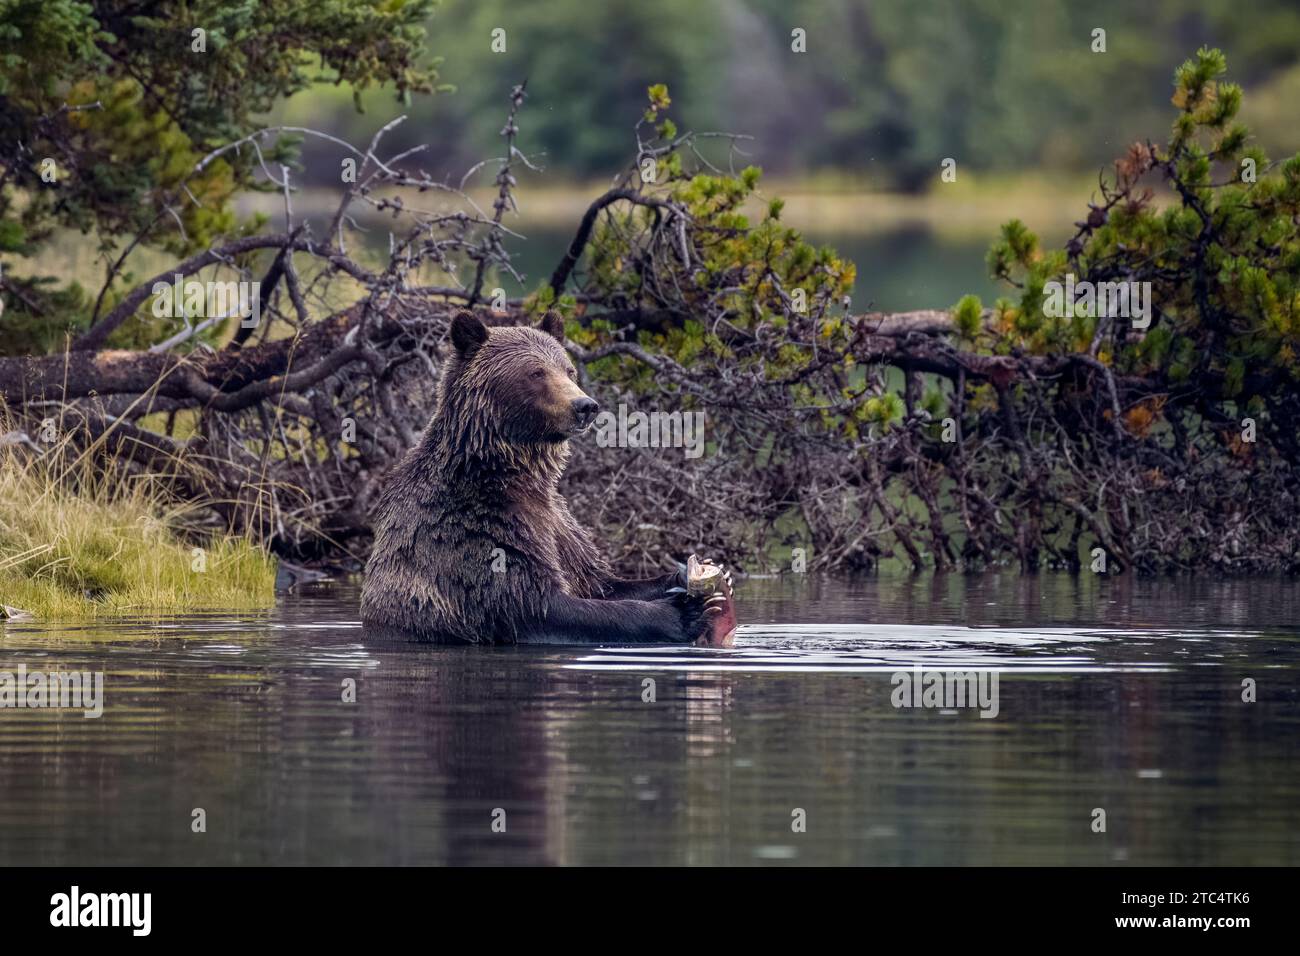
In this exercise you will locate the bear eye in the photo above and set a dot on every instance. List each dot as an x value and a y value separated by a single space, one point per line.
573 374
537 373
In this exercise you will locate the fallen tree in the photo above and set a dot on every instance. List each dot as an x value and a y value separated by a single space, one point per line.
1013 434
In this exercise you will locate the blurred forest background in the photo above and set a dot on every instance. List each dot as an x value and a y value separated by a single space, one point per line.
886 89
850 134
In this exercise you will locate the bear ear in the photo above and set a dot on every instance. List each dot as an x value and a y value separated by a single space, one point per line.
553 326
467 333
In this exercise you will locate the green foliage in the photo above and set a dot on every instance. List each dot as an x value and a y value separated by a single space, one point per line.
753 275
883 410
116 102
722 287
966 315
1223 260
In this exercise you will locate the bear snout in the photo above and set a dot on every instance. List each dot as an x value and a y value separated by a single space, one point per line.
584 411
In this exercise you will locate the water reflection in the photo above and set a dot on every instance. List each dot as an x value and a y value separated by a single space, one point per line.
1124 695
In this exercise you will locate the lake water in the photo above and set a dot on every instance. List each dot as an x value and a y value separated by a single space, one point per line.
1123 695
898 269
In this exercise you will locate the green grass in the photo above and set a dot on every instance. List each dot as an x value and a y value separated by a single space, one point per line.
115 546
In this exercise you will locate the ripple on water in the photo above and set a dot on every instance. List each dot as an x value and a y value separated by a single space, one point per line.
1126 696
851 648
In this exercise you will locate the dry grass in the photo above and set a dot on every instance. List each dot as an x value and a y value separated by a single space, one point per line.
115 545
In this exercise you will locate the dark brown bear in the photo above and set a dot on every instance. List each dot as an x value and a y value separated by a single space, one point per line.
473 541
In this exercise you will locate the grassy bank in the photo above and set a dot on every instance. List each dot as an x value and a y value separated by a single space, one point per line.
974 206
113 547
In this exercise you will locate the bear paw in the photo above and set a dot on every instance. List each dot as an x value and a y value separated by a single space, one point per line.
693 614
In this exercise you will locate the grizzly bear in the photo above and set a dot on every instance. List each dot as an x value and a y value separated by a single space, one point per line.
473 541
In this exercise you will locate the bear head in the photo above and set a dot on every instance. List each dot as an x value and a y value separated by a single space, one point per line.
514 384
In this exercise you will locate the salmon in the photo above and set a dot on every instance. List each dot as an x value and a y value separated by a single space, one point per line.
707 580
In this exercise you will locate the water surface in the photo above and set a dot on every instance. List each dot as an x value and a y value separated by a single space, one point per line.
1113 694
